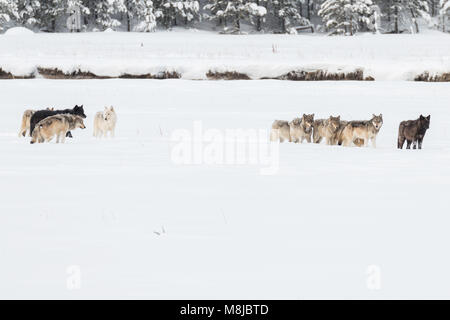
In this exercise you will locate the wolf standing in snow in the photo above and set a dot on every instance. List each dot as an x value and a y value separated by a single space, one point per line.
328 129
105 121
361 131
26 118
280 131
301 128
25 125
42 114
413 131
57 125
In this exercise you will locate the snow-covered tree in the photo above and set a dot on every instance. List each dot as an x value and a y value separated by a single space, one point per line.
8 11
51 10
106 11
190 11
348 16
142 13
215 9
145 16
406 12
169 10
29 12
444 12
289 14
242 10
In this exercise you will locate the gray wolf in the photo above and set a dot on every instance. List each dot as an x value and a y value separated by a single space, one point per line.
413 131
25 125
361 132
42 114
328 129
301 128
57 125
105 121
280 131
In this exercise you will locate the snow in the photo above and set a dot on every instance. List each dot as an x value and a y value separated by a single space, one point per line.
136 225
18 31
194 53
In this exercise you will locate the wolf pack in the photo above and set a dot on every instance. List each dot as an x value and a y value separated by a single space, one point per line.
43 125
335 131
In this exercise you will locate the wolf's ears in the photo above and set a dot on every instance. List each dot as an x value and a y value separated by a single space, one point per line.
429 116
112 109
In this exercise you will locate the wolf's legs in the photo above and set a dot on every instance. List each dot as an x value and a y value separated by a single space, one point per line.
63 137
22 131
113 134
420 143
401 142
408 144
316 136
308 138
366 141
414 144
374 142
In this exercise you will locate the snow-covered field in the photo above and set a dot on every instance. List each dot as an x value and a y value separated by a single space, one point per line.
118 218
193 53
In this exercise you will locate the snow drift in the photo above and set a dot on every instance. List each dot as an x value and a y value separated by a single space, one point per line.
198 55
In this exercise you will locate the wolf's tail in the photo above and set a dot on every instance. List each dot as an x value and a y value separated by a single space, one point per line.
400 139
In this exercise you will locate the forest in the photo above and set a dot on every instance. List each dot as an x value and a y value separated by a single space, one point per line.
333 17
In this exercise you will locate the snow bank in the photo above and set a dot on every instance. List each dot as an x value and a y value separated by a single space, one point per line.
18 31
193 55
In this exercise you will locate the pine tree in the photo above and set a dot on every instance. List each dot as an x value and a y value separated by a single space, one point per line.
144 14
348 16
215 10
166 12
105 12
242 10
51 10
407 11
29 12
444 12
8 11
190 11
289 14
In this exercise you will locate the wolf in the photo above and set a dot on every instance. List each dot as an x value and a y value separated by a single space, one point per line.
301 128
25 125
328 129
42 114
413 131
57 125
280 131
359 132
105 121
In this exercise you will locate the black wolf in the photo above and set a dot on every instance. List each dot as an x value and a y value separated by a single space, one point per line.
42 114
413 132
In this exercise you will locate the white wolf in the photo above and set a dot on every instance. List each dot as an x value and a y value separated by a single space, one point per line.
105 121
